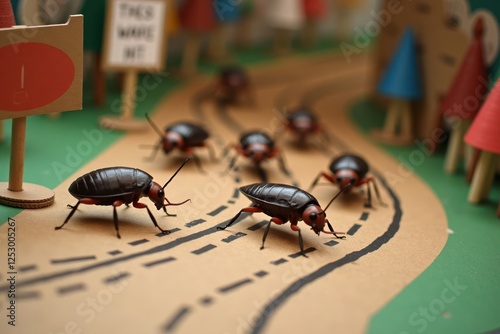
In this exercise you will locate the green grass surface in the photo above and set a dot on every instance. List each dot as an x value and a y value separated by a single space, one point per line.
470 260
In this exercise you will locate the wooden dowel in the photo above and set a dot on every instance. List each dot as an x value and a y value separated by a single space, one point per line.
455 147
17 154
191 53
128 104
406 119
490 176
473 165
480 177
392 118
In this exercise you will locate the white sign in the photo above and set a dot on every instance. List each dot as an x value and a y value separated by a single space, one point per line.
135 34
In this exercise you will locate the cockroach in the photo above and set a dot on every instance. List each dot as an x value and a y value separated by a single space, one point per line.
120 185
285 203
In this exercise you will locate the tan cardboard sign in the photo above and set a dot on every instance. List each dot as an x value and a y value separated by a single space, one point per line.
41 69
135 37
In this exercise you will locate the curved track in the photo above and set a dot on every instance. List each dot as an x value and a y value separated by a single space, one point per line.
199 278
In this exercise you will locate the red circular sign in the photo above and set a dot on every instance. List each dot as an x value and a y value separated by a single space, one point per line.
33 75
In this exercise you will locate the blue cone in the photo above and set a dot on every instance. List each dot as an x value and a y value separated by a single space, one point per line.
402 76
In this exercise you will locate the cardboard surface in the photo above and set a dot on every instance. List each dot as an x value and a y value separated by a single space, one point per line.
199 279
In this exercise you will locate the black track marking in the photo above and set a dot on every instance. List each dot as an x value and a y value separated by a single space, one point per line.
28 295
278 262
195 222
115 252
217 211
161 235
203 249
295 287
138 242
231 202
157 249
261 273
353 229
298 254
236 285
73 259
116 278
71 288
364 216
236 193
227 120
237 180
157 262
29 267
233 237
258 225
170 326
205 301
331 243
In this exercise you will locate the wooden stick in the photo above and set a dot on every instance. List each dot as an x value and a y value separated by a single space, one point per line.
17 154
473 165
406 119
490 176
480 177
392 118
308 34
455 146
217 44
128 103
191 53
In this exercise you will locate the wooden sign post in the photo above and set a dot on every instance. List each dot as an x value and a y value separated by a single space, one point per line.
40 73
134 41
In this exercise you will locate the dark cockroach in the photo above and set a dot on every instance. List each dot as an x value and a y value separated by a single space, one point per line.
350 169
285 203
232 85
304 124
184 136
259 147
120 185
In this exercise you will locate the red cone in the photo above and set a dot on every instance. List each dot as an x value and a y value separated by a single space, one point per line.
484 132
467 92
6 14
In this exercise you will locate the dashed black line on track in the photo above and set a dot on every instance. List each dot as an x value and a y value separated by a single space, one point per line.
158 262
73 259
119 259
70 288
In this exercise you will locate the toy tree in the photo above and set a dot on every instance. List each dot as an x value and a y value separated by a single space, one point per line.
243 31
197 17
227 14
456 106
484 135
38 75
401 83
314 10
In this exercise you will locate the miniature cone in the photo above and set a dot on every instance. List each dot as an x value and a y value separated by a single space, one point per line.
6 14
484 132
471 79
402 76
